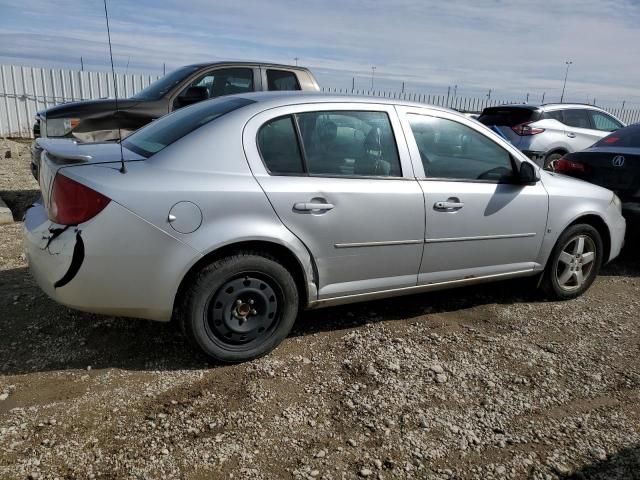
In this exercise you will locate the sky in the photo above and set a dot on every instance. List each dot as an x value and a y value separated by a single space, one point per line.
513 47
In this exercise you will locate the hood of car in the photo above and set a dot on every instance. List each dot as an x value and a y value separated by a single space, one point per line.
88 108
566 185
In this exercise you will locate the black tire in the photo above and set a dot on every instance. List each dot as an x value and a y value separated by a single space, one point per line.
240 307
551 279
551 159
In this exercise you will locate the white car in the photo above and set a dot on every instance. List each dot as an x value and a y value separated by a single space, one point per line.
546 132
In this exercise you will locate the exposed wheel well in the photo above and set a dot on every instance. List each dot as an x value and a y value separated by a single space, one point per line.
596 222
556 150
279 252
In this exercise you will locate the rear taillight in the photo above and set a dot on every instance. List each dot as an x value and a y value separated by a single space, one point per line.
524 129
73 203
568 167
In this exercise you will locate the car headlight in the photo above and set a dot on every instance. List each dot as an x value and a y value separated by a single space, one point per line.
617 202
59 127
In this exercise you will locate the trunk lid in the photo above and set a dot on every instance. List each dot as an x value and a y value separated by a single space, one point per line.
62 153
615 169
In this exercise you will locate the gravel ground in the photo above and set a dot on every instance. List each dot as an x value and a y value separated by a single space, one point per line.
481 383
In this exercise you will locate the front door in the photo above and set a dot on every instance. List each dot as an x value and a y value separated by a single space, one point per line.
479 222
341 182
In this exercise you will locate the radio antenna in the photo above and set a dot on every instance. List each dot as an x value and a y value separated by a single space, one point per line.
123 169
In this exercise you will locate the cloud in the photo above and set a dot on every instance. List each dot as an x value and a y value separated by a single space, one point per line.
509 46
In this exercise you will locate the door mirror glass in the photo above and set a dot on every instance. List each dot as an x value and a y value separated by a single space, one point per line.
528 175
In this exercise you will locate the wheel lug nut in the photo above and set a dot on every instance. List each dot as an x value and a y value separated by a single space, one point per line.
251 302
253 311
238 302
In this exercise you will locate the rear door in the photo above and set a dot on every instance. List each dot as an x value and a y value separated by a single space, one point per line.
579 130
339 177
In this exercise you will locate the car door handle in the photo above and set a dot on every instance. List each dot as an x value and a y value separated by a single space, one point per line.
571 135
312 206
448 205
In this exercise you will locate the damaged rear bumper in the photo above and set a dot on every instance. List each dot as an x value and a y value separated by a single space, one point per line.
115 264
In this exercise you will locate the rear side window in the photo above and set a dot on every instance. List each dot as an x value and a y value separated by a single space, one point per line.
628 137
282 80
576 117
604 122
170 128
555 115
333 143
278 144
507 116
452 150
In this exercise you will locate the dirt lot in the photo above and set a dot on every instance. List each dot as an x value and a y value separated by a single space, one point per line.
486 382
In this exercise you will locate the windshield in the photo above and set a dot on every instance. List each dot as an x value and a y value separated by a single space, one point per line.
161 87
170 128
625 137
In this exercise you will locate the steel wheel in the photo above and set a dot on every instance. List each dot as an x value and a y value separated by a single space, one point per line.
575 263
243 310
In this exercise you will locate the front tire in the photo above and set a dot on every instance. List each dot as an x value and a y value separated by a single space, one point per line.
240 307
574 263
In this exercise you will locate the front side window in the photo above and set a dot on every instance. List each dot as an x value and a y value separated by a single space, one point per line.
216 83
282 80
451 150
575 117
332 143
604 122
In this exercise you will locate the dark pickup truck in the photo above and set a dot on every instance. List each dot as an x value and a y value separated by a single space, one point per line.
98 121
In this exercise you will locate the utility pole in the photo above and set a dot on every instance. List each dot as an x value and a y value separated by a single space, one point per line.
81 65
373 72
568 63
296 59
353 84
164 68
402 87
527 100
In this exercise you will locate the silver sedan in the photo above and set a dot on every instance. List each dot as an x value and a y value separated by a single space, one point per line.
231 215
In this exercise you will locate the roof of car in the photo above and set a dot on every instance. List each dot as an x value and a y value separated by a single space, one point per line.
244 63
536 106
298 97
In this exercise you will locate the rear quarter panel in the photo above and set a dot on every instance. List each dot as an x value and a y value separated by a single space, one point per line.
208 168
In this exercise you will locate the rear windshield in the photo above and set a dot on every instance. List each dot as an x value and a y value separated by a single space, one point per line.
170 128
507 116
628 137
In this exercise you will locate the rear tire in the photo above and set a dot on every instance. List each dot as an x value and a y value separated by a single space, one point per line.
240 307
574 263
551 159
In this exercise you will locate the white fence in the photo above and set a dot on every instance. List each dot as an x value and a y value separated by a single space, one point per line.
27 90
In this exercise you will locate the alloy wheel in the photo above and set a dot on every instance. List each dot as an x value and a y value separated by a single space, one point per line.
575 262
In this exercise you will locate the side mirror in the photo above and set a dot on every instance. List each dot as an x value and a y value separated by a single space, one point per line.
528 175
193 95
